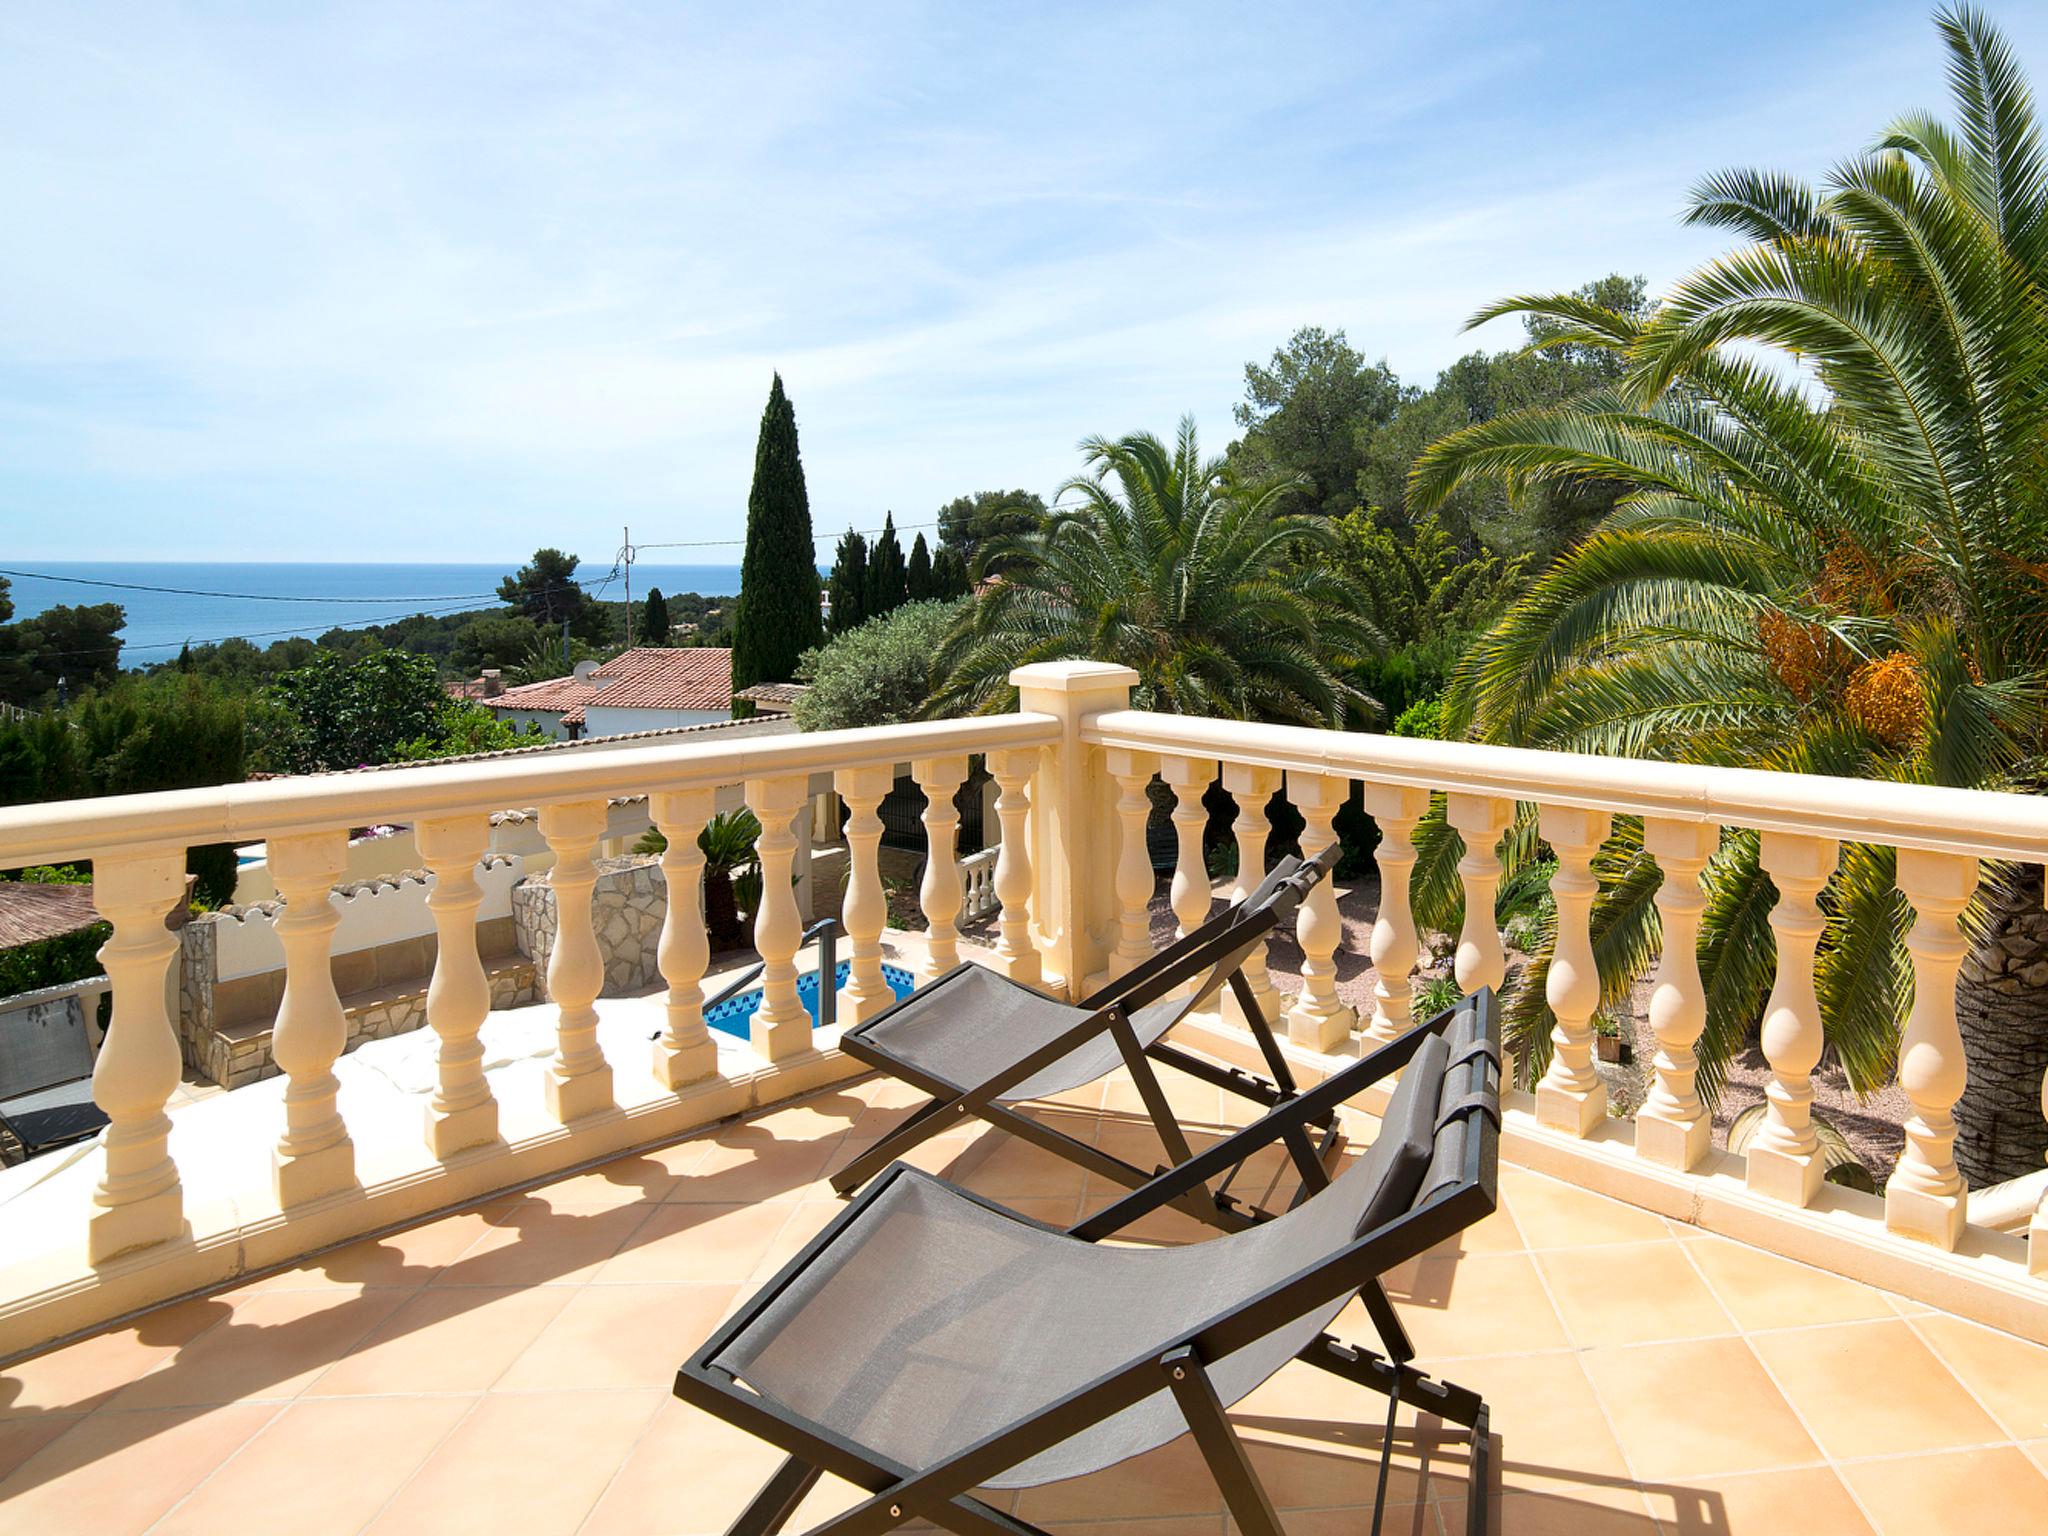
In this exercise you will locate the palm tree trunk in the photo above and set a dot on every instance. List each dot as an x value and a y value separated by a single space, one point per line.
2002 1011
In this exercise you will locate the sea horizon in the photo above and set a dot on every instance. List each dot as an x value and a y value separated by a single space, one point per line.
268 600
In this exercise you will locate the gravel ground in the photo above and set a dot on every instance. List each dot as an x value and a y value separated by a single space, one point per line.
1872 1127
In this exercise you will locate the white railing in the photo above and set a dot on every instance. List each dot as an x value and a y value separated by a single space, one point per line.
137 844
1071 882
1940 834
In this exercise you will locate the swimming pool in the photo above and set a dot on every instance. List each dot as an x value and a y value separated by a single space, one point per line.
732 1015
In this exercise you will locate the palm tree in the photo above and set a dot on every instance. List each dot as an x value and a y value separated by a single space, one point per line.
1161 561
1833 557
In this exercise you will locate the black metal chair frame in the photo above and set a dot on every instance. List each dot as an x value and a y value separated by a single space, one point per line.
941 1493
1110 1009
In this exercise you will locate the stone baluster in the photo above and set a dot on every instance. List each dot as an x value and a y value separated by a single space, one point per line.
684 1052
579 1079
462 1113
1784 1156
1317 1019
1251 787
1016 954
1396 808
138 1200
1571 1098
1482 821
1134 881
866 908
1673 1126
781 1027
1925 1197
1188 778
2037 1227
939 895
314 1155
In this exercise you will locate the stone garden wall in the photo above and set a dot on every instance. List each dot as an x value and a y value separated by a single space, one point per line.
627 910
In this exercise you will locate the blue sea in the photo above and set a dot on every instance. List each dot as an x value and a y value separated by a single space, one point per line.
169 604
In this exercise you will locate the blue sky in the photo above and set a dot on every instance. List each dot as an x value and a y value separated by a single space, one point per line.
445 282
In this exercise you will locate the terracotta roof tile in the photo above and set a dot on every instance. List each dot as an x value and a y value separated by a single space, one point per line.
646 677
31 912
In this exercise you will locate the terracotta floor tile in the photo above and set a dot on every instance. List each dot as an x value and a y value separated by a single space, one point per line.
818 1118
1001 1166
1828 1375
530 1243
634 1180
2008 1375
1308 1465
531 1463
457 1339
271 1346
1172 1481
1192 1101
754 1169
82 1375
1632 1294
1810 1498
1550 1214
402 1260
115 1474
1521 1512
1761 1290
1549 1432
1696 1410
295 1479
1983 1490
619 1336
21 1437
690 1244
1481 1304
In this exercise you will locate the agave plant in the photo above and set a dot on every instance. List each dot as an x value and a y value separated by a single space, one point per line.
1832 559
1158 559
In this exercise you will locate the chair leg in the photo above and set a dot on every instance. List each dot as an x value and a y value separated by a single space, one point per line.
1245 1495
919 1126
1387 1322
770 1509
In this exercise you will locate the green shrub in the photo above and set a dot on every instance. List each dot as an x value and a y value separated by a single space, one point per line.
878 674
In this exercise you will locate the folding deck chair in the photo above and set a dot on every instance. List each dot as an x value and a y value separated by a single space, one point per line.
979 1043
930 1343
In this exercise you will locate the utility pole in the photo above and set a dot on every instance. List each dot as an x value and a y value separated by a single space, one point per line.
626 541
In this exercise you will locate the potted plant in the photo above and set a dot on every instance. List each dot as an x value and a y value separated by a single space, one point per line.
1612 1043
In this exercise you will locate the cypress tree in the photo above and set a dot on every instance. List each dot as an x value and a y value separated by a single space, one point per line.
887 576
917 578
949 575
849 586
777 619
654 618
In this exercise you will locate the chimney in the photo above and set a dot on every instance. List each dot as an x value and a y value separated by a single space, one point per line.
493 681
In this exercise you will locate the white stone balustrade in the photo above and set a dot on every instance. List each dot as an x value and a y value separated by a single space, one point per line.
781 1026
1784 1155
1318 1019
1016 953
1481 821
1925 1198
866 908
314 1156
1188 778
1251 787
1572 1098
1673 1128
1395 944
579 1079
939 895
684 1052
138 1199
1134 881
462 1113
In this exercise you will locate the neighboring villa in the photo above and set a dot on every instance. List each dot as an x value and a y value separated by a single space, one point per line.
648 688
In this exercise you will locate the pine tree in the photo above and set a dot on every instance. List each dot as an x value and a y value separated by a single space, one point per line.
917 578
654 618
887 576
949 575
777 619
849 585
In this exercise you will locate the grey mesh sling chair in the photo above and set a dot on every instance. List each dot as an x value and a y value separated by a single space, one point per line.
979 1043
929 1343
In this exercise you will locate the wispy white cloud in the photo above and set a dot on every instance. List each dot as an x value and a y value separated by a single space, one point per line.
447 282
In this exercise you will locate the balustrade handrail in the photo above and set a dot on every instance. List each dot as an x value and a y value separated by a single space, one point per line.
1974 822
55 831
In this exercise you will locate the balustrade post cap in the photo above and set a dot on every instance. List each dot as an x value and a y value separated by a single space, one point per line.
1074 676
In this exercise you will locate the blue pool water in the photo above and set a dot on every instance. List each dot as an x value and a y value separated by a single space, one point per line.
732 1014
